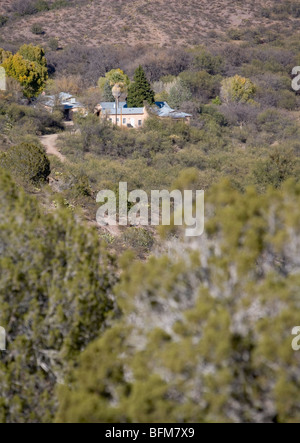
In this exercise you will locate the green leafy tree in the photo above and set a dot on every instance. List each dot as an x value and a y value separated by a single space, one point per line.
140 90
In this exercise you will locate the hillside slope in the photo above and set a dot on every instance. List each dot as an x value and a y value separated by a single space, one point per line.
92 23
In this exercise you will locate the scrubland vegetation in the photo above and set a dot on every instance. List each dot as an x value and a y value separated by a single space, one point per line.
141 324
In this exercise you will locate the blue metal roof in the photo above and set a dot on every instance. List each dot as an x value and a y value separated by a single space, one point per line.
110 108
162 109
64 99
112 105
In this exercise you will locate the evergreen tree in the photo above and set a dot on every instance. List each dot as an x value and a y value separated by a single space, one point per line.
140 90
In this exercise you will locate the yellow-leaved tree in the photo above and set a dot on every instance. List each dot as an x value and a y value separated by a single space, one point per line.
237 89
29 67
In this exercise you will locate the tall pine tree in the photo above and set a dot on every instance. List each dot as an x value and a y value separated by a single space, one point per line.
140 90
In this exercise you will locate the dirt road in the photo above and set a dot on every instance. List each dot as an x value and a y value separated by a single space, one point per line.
49 141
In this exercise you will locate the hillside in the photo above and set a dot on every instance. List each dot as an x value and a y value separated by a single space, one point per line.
92 23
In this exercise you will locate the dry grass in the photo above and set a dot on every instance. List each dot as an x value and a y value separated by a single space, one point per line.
157 22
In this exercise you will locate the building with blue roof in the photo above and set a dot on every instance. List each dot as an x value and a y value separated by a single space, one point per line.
66 101
124 116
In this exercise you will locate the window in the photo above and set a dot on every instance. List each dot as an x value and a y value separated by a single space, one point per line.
124 121
140 123
118 120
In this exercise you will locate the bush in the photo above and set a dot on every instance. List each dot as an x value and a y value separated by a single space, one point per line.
26 162
42 5
56 285
37 29
265 12
234 34
29 7
204 61
53 44
139 238
23 7
275 123
202 85
179 94
190 345
3 20
295 9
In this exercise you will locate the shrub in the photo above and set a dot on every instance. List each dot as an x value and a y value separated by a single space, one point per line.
37 29
140 90
234 34
42 5
185 334
26 162
202 85
265 12
53 44
24 7
3 20
207 62
59 4
276 169
139 238
56 285
287 100
275 122
295 9
179 94
29 68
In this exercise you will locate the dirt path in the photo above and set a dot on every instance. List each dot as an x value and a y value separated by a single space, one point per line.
49 141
